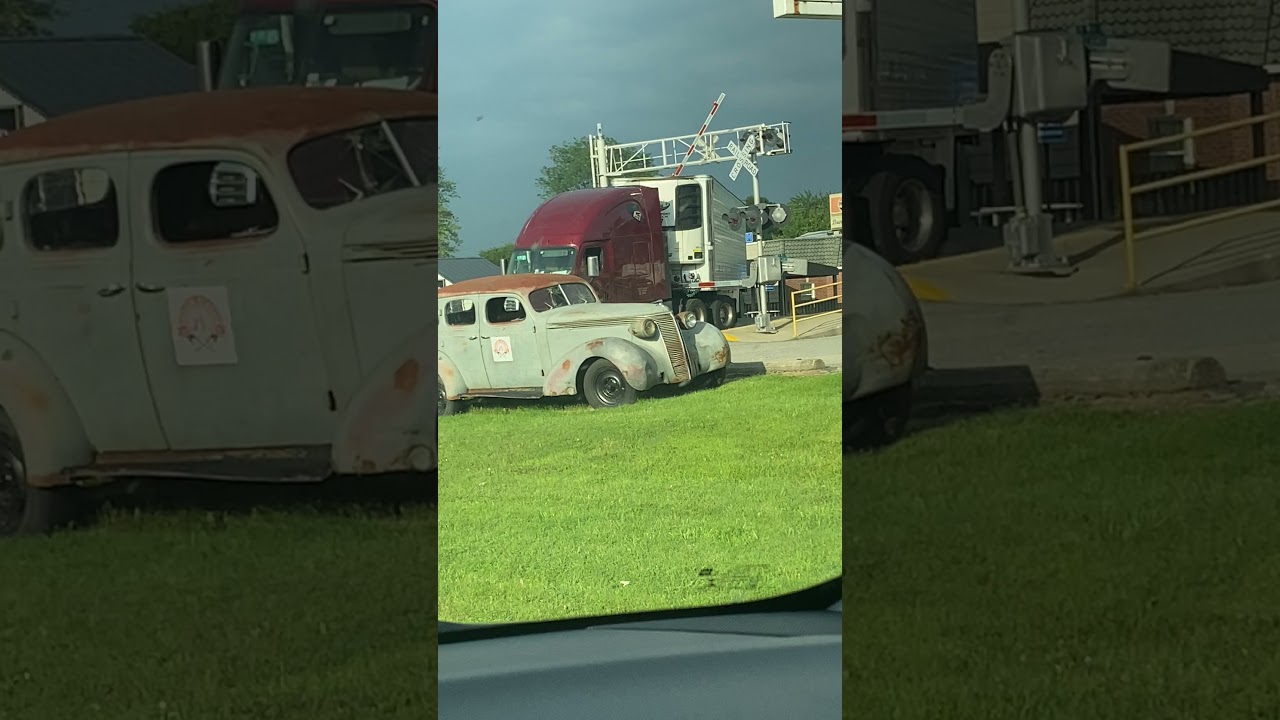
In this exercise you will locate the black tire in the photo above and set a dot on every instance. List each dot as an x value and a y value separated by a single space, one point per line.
25 510
698 308
908 211
878 420
445 406
713 379
724 314
606 387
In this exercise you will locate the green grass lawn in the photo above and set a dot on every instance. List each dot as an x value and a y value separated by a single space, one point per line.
268 616
1067 563
553 510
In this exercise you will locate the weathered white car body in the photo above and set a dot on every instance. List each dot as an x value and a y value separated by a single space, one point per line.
505 336
886 347
217 286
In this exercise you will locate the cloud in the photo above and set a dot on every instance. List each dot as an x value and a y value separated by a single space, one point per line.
645 71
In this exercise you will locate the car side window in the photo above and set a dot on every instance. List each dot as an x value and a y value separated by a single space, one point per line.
209 201
71 209
459 313
504 310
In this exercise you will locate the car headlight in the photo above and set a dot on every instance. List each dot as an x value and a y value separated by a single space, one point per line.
644 328
688 320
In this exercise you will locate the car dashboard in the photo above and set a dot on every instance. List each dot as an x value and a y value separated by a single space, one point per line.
736 664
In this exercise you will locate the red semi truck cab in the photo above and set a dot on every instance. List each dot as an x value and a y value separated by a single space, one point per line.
620 227
383 43
664 239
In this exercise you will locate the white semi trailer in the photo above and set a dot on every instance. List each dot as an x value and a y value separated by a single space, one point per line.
911 98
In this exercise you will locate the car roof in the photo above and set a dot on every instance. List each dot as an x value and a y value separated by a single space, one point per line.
522 283
272 119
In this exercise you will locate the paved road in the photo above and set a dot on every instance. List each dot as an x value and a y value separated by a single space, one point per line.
1239 326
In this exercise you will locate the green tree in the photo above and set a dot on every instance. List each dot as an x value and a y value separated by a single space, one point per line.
450 228
809 212
179 29
497 254
569 169
27 18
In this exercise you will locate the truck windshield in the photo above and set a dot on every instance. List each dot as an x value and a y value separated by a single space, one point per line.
355 164
544 260
550 298
389 46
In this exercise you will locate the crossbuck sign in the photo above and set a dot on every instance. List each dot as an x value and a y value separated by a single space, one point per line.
743 154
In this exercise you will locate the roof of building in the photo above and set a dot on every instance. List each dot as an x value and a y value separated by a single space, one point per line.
459 269
1246 31
274 119
524 282
56 76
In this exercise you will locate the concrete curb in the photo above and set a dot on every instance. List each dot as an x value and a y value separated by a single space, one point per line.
992 387
785 367
1252 272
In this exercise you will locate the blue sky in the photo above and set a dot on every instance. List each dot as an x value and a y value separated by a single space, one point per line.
542 74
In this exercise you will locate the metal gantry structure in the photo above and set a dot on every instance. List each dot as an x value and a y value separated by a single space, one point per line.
650 157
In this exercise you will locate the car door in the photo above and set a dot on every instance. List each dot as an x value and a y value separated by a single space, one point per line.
65 276
225 313
460 341
509 344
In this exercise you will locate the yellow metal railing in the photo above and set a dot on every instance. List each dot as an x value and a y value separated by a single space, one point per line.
1128 190
795 316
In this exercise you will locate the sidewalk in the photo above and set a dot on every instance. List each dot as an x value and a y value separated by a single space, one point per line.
1235 251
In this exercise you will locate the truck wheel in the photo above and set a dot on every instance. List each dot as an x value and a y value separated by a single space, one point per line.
698 308
723 313
26 510
605 386
907 211
878 420
445 406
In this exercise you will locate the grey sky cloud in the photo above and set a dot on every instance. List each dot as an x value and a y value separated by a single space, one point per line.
644 70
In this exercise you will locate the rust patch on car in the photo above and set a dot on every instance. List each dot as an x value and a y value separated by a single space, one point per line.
407 376
899 348
595 345
721 356
36 400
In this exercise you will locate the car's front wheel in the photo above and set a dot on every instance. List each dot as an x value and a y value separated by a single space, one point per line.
606 387
878 420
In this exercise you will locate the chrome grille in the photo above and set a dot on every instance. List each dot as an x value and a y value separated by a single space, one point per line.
675 345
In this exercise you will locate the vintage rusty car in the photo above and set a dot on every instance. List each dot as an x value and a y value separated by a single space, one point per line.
884 331
542 335
216 286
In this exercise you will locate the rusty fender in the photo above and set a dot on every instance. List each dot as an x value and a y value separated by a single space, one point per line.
390 423
447 369
46 423
707 347
883 326
636 365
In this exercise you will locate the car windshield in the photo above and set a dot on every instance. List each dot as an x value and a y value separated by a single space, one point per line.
557 260
343 167
386 47
563 295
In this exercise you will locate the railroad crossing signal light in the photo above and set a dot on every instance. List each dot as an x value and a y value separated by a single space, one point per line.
772 215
